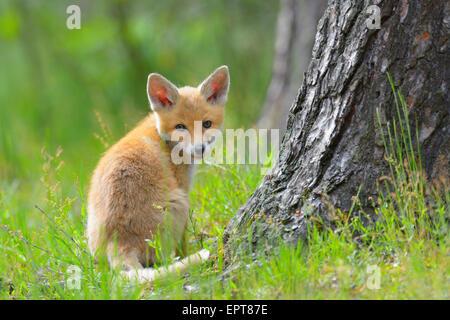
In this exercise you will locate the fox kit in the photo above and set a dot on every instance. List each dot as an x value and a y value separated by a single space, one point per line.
137 190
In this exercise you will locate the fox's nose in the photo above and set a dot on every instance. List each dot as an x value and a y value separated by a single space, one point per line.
199 148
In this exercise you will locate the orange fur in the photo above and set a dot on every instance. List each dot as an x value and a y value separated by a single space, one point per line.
137 190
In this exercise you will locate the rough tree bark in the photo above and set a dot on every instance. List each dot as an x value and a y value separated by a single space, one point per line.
294 39
332 143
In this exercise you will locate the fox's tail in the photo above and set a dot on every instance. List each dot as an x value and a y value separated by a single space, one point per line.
150 274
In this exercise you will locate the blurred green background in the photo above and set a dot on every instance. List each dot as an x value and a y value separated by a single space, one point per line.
53 79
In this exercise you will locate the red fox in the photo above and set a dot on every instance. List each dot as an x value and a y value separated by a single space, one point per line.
137 190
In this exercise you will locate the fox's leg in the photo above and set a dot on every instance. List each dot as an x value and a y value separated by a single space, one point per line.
123 258
179 208
181 250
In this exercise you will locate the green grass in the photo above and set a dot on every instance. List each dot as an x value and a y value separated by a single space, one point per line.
407 246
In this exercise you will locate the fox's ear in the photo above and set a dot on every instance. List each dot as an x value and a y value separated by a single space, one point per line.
215 88
162 93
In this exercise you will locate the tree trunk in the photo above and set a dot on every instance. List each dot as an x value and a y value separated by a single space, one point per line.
294 39
332 143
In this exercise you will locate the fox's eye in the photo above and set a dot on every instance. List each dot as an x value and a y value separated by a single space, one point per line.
180 126
207 124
